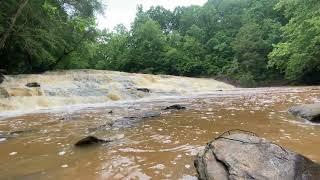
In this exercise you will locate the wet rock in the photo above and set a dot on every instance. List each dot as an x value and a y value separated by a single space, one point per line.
310 112
91 140
19 132
146 90
33 84
127 122
14 134
244 156
3 92
150 115
175 107
6 136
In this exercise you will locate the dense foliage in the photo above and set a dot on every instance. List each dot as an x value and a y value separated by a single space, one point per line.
253 42
37 35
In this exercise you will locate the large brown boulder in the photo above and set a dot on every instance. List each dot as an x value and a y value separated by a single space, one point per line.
310 112
245 156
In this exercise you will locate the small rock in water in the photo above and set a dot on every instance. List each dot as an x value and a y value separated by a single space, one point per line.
175 107
146 90
310 112
90 140
15 133
33 84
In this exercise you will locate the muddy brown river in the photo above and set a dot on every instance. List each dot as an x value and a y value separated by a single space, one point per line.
41 145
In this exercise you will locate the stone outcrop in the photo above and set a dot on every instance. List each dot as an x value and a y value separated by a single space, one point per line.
310 112
245 156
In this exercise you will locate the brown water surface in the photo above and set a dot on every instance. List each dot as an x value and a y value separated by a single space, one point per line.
158 148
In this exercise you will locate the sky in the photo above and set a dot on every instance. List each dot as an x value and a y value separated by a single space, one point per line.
123 11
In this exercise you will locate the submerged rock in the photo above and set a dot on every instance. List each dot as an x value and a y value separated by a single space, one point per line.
3 92
4 137
101 127
150 115
91 140
14 134
125 122
33 84
25 92
20 132
175 107
310 112
146 90
244 156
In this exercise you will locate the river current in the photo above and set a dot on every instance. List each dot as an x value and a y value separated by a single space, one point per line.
41 143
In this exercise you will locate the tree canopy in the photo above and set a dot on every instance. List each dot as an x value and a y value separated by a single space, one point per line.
253 42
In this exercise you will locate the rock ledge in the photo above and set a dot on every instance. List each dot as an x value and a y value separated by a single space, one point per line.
310 112
246 156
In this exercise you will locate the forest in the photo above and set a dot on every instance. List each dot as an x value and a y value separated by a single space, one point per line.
248 42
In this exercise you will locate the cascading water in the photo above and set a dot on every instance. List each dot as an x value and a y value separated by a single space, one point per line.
75 87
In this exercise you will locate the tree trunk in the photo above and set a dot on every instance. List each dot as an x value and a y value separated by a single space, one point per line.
14 18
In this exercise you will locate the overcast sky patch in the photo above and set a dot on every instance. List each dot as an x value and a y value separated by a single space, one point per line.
123 11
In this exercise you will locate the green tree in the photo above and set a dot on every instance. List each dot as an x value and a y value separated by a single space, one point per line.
297 55
40 34
146 47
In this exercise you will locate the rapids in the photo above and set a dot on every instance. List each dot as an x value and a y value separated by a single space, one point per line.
88 87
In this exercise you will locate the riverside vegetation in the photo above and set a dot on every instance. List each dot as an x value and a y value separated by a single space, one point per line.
251 42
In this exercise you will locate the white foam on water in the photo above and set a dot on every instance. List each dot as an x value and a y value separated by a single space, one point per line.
76 89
